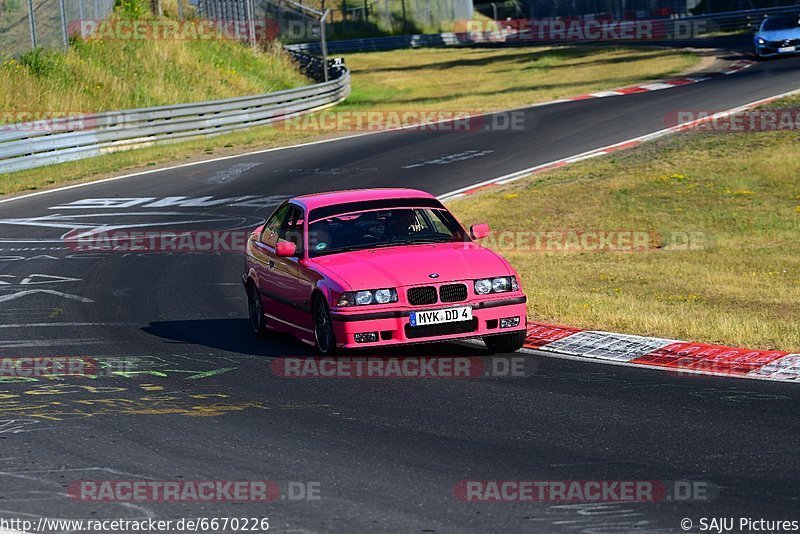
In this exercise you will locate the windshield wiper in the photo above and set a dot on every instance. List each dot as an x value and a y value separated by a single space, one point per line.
428 241
352 248
343 249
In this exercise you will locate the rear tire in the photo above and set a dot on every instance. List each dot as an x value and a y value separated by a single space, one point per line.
324 336
255 307
505 342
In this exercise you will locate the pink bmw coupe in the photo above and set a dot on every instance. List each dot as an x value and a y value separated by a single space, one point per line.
379 267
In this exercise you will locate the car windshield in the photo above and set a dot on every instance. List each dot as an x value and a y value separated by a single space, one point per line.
780 23
382 228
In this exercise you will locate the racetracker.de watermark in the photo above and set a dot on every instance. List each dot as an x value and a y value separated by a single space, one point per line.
190 241
584 491
47 366
135 491
46 121
173 30
580 30
763 120
408 119
599 240
435 367
44 366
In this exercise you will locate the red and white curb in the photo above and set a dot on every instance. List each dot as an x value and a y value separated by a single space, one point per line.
668 354
622 145
659 85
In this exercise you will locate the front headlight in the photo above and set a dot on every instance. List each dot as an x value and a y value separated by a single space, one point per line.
761 41
483 286
382 296
366 297
501 284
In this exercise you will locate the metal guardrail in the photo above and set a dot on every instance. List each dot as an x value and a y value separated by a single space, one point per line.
740 19
34 144
388 43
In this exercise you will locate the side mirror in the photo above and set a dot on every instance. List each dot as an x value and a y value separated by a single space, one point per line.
479 231
284 249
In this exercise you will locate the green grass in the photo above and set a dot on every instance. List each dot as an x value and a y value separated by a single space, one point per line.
101 75
419 80
483 79
740 191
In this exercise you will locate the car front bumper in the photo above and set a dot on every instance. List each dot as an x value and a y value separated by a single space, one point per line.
393 326
768 51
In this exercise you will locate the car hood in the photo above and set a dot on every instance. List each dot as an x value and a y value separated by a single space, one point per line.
413 265
780 35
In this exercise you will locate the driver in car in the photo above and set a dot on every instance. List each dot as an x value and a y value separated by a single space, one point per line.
403 223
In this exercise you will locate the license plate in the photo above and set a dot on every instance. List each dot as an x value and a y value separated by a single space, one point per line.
447 315
787 49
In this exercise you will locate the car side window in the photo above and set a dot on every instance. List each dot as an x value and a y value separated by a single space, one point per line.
293 230
270 234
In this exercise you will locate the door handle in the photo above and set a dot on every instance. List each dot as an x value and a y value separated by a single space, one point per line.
271 264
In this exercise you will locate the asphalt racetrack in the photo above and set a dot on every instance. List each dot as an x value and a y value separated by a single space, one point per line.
385 455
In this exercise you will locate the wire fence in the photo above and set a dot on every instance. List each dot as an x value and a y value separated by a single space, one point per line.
346 18
27 24
402 15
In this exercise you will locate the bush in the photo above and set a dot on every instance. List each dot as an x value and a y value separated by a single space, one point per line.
134 9
44 63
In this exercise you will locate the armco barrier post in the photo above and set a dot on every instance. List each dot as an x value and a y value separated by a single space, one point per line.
64 34
324 43
32 23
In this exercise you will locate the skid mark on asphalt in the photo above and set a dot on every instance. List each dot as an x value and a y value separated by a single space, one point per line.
599 518
334 171
451 158
17 426
37 492
231 173
52 292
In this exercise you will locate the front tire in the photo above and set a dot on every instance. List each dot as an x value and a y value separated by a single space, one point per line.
505 342
255 307
324 335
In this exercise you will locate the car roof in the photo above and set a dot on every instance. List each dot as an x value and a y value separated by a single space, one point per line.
332 198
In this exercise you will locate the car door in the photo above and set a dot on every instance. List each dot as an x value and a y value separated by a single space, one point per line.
263 257
291 291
